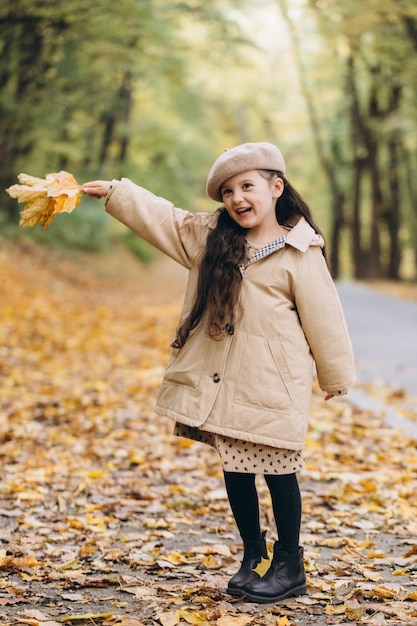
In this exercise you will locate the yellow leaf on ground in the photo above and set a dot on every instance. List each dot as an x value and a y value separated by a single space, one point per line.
371 575
192 617
123 620
85 617
4 559
217 548
176 558
36 618
230 620
169 618
383 592
262 567
353 610
211 562
45 198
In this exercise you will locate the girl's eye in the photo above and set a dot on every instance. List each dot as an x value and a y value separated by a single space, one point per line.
247 185
225 192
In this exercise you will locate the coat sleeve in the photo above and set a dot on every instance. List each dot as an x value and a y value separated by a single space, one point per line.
323 322
177 233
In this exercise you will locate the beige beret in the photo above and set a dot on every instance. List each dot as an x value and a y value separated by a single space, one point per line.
243 158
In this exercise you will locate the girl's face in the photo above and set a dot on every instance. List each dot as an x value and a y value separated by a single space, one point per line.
250 200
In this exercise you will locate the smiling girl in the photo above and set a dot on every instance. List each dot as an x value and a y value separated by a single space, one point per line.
260 309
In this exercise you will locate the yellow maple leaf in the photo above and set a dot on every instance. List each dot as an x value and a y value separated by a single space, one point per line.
45 198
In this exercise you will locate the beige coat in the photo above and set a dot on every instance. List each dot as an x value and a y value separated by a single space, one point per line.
256 384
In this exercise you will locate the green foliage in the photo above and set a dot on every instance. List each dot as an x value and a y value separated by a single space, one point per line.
86 229
358 70
140 248
104 90
155 90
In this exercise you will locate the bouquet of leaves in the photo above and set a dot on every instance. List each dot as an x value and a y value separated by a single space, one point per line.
45 198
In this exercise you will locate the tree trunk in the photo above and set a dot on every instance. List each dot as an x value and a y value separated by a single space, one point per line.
393 215
118 115
411 190
329 158
360 162
359 258
108 133
25 63
126 101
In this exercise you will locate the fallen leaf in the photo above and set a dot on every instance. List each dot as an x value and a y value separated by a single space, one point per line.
85 617
172 618
96 493
239 620
221 549
169 618
45 198
383 592
263 566
37 618
371 575
353 610
123 620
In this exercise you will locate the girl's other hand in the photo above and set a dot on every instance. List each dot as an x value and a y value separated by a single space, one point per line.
341 392
96 188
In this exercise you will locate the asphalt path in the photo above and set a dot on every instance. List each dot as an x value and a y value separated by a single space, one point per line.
383 330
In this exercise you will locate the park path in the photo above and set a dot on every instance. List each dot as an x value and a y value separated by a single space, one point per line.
383 330
107 518
384 336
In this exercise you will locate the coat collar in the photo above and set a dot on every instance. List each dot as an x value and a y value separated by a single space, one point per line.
302 236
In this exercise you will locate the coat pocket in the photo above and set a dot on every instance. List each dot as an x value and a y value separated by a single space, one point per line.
181 371
186 364
264 379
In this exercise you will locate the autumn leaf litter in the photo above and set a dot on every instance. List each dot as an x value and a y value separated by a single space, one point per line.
107 519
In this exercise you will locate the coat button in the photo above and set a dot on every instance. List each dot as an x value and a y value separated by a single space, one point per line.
229 329
216 378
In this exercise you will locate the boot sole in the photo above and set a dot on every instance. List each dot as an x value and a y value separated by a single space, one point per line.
298 591
235 592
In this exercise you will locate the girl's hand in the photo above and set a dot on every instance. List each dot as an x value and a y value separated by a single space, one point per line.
341 392
97 188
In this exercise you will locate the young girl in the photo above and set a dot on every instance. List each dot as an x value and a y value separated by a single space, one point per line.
260 307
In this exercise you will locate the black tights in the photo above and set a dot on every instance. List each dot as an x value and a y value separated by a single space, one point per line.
286 505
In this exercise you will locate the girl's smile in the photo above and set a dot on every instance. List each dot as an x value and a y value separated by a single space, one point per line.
250 200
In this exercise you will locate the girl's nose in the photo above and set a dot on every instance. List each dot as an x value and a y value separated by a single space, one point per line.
237 196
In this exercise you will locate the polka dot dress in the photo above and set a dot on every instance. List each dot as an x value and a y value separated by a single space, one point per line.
246 457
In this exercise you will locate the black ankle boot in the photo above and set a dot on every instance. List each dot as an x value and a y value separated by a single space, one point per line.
285 577
254 551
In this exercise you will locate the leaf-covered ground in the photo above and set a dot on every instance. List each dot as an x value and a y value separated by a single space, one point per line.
107 519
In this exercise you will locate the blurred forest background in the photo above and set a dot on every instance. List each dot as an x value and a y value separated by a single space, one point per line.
156 89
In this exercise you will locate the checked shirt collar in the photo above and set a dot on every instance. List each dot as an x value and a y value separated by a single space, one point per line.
271 247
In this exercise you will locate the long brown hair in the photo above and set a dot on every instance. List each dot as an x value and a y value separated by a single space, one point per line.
220 279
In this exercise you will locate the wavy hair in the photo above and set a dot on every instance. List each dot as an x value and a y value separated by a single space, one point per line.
217 303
